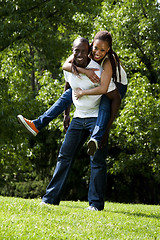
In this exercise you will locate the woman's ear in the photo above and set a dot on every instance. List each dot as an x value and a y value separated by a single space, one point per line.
90 47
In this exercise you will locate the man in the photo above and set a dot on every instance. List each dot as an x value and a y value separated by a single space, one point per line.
81 126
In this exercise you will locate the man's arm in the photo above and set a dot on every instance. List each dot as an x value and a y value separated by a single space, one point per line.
66 119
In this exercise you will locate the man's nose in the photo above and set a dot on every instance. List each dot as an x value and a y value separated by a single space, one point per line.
80 54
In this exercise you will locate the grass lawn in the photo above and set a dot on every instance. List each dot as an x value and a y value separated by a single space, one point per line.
26 219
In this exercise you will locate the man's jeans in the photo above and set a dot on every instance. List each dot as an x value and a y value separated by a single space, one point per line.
76 135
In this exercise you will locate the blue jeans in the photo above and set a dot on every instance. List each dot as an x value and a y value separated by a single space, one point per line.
104 113
76 135
66 99
57 108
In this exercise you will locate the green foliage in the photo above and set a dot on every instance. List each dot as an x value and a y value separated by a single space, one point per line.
20 94
135 135
35 39
46 24
135 31
26 219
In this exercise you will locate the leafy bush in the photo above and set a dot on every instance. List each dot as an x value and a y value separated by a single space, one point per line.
135 144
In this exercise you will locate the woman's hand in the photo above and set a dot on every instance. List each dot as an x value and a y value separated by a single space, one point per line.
104 139
78 93
66 122
90 73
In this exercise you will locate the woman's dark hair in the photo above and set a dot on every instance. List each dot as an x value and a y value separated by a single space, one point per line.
114 59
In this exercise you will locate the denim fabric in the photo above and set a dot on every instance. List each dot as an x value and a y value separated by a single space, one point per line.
122 89
57 108
102 119
76 135
104 113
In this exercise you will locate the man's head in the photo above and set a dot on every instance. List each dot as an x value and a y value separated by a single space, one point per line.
80 51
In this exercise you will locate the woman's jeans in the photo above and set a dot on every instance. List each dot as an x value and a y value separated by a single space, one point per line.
77 133
66 100
104 113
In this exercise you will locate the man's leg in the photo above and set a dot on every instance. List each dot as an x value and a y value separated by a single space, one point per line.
34 126
98 178
57 108
75 136
98 172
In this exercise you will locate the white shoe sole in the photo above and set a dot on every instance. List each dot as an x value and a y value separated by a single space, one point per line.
23 122
43 204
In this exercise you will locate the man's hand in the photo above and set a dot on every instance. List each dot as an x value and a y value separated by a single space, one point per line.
66 122
78 93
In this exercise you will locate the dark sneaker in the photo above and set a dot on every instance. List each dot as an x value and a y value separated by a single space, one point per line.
28 124
92 146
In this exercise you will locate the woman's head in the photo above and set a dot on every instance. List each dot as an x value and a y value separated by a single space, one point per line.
101 45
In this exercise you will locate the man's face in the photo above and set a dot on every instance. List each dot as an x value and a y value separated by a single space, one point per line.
80 52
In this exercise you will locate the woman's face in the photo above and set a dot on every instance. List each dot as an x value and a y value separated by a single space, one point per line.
99 50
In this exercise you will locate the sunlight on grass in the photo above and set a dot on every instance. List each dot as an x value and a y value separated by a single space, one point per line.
26 219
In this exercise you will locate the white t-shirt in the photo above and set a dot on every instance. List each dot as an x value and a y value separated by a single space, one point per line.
124 80
88 105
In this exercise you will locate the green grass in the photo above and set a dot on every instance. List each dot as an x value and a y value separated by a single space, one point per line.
26 219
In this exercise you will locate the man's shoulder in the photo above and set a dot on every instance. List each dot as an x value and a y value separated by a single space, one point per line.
93 64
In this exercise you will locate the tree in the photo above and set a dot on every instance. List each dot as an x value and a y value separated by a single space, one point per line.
134 26
45 24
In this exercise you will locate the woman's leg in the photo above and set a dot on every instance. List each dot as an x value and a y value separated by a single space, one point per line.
116 97
108 110
102 120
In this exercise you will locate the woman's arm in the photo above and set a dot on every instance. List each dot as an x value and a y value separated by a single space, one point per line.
103 87
89 72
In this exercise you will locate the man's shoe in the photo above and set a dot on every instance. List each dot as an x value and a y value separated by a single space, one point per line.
91 208
28 124
92 146
43 203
